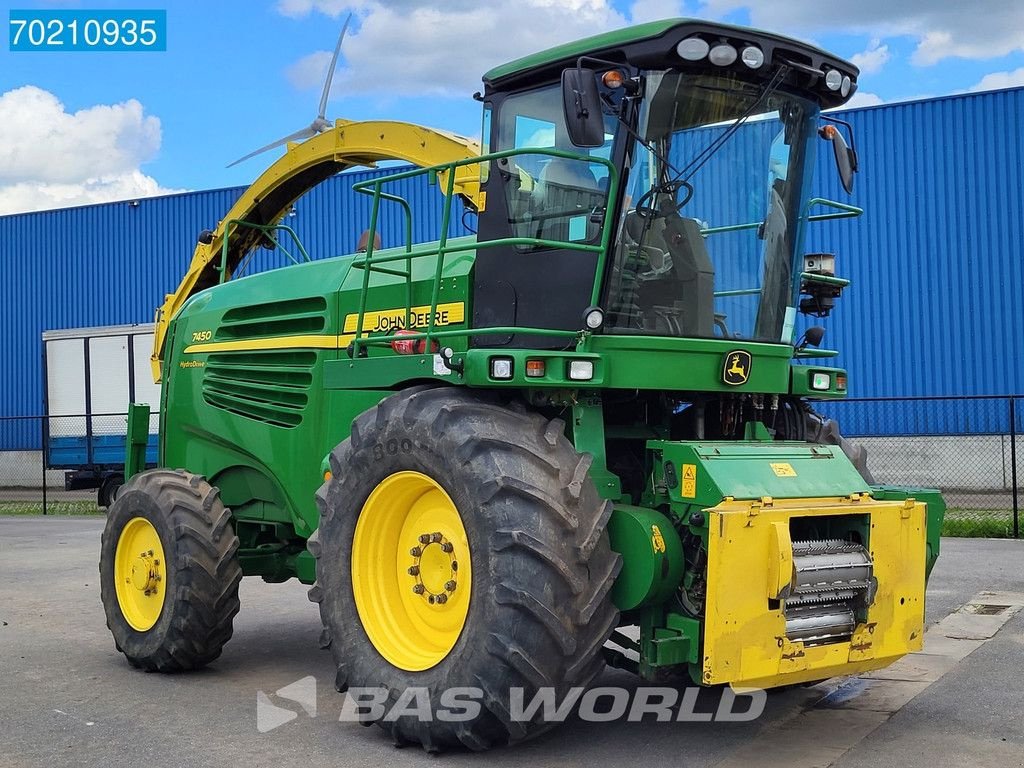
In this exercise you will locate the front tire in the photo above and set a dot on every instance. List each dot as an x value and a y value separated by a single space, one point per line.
169 571
501 492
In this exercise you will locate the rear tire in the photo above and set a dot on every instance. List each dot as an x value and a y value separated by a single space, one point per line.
538 613
175 612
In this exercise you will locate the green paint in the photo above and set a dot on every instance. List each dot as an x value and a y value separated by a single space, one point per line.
652 556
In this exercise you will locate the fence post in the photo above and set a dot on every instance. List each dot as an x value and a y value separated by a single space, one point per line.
1013 467
42 454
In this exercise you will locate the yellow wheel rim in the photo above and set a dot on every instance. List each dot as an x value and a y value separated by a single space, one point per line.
411 571
140 574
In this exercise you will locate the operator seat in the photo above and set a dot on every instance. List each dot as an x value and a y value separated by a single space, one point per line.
680 301
565 189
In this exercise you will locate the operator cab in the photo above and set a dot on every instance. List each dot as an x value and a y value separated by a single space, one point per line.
664 179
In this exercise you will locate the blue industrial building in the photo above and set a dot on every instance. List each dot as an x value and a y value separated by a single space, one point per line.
936 305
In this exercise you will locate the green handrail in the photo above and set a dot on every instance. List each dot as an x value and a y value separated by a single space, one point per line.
267 230
369 262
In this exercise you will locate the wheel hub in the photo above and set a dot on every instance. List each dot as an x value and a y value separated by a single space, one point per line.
434 568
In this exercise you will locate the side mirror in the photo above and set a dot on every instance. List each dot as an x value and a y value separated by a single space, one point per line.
813 336
582 103
846 158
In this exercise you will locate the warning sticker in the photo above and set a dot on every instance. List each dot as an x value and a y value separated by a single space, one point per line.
783 470
689 489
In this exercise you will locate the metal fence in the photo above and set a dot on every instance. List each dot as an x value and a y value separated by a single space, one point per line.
39 455
971 448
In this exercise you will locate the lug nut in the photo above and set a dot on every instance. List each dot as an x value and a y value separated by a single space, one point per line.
418 589
431 599
455 565
415 551
433 537
414 570
447 547
450 586
424 538
442 599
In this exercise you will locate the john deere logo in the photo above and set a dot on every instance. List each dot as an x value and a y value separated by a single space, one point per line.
736 370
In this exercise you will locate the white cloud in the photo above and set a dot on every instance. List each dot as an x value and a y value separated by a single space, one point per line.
873 59
653 10
442 47
52 158
983 29
995 80
863 99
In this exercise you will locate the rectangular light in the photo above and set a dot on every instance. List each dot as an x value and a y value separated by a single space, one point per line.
501 367
820 380
841 381
581 370
535 368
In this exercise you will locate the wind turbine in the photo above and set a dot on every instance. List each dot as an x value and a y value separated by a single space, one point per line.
320 123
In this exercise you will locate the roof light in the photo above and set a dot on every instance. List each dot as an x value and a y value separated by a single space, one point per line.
501 367
722 55
593 318
693 49
844 89
833 79
752 56
581 370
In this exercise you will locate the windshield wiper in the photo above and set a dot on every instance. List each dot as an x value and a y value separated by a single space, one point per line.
705 154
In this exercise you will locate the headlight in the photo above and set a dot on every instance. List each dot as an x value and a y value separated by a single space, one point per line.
833 79
501 367
752 56
821 381
722 55
693 49
844 89
581 370
593 318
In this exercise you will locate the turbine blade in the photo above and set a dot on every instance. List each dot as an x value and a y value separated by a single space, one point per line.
330 72
305 133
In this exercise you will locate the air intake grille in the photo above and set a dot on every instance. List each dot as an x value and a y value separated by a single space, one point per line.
271 387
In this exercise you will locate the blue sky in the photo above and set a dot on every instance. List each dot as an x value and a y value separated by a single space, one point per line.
82 127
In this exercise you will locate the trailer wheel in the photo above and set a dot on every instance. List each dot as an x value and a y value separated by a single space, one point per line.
108 490
169 571
461 545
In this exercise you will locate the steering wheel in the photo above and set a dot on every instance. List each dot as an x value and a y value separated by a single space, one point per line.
644 209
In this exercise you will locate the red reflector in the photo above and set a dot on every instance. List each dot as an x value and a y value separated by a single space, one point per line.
411 346
535 368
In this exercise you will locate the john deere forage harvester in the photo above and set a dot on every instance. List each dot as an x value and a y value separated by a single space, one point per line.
486 454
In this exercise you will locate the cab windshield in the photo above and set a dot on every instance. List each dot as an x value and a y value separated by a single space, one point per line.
714 206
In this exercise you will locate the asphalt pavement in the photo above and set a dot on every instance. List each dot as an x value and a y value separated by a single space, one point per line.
68 698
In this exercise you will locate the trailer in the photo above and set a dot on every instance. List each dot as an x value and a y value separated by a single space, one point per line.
91 375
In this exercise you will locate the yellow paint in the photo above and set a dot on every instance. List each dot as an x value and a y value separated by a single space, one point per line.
783 469
689 489
275 342
347 145
410 548
744 641
140 569
388 320
657 540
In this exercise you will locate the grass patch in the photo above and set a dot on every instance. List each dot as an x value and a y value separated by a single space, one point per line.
978 523
55 508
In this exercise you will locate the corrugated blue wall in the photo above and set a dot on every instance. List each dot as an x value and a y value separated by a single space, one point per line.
936 305
112 264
